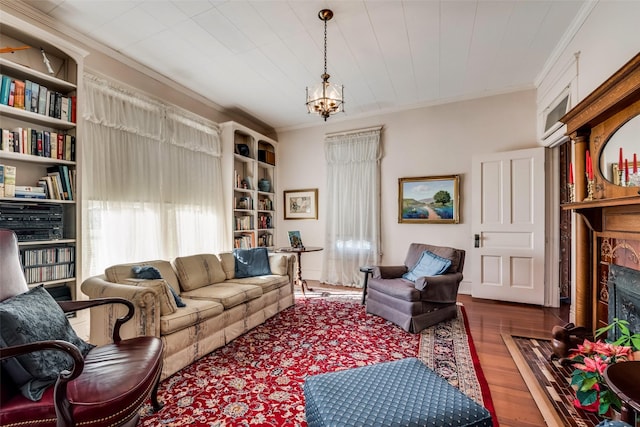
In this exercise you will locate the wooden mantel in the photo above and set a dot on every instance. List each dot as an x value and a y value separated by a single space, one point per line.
614 211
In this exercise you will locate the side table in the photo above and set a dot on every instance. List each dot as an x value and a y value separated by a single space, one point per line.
299 251
367 270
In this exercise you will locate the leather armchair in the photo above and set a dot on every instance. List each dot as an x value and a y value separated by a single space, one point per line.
417 305
107 387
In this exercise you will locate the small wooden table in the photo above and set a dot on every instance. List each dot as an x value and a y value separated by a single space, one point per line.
624 380
367 270
299 251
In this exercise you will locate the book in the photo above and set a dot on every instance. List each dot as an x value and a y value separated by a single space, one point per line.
5 89
295 240
35 93
56 183
42 100
64 108
50 190
12 93
62 171
61 140
1 180
9 181
18 100
27 95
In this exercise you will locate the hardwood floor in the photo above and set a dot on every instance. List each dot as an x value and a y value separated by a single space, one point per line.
487 321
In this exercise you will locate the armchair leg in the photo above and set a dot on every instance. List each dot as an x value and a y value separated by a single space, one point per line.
154 396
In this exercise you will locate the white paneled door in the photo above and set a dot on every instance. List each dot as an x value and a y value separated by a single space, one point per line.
509 226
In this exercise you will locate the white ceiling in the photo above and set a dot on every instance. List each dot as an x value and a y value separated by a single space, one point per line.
258 56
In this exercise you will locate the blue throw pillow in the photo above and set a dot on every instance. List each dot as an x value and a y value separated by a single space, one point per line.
30 317
429 264
149 272
251 262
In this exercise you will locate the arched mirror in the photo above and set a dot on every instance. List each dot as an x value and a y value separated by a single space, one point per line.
624 145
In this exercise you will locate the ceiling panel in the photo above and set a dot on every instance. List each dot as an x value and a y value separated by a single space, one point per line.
389 54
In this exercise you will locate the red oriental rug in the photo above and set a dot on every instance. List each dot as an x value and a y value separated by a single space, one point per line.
257 379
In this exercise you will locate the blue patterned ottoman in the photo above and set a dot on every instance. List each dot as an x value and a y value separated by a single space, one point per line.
401 393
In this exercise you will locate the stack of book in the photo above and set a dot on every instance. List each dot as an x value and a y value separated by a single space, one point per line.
30 96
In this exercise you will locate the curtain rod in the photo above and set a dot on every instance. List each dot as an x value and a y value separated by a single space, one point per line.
350 132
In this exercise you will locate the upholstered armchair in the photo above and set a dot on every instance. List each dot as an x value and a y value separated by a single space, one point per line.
413 300
53 378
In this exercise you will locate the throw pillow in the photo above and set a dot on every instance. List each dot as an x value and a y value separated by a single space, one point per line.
429 264
251 262
30 317
167 302
151 273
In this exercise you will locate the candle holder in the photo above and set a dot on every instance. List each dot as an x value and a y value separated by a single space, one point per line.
590 189
621 178
571 190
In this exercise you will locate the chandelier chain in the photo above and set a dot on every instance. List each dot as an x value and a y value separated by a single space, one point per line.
325 46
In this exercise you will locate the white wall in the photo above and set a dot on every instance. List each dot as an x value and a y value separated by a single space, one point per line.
439 140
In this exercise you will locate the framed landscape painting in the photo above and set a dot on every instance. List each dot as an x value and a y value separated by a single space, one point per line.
429 199
301 204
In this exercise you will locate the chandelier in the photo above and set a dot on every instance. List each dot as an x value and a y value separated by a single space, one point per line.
325 98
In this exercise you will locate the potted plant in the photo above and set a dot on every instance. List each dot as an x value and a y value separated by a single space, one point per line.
626 337
590 361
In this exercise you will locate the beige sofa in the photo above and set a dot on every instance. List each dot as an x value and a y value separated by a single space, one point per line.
219 307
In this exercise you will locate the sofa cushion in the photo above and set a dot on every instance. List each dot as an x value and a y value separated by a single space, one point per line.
429 264
150 272
118 273
398 288
251 262
31 317
228 294
196 271
195 312
267 283
167 301
278 264
228 262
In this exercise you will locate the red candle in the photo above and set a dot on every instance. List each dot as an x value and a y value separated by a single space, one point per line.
570 173
635 164
626 171
589 167
620 164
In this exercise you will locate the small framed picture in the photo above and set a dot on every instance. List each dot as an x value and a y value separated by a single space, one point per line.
301 204
295 240
429 199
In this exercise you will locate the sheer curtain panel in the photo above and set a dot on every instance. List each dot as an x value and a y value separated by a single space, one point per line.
353 206
151 179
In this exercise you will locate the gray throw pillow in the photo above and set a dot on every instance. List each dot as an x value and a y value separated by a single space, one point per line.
30 317
251 262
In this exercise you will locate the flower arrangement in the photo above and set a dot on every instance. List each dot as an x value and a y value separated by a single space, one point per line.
590 361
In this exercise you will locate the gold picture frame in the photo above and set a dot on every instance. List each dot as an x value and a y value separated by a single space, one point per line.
301 204
429 199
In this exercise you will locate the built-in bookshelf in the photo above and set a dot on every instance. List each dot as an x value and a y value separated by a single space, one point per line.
39 189
250 165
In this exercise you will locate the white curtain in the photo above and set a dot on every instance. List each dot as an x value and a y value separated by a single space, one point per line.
151 179
353 206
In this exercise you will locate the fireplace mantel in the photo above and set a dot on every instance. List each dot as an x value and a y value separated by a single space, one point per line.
613 212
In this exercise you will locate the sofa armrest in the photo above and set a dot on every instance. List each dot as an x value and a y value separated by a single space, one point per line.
283 264
440 289
146 317
388 271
